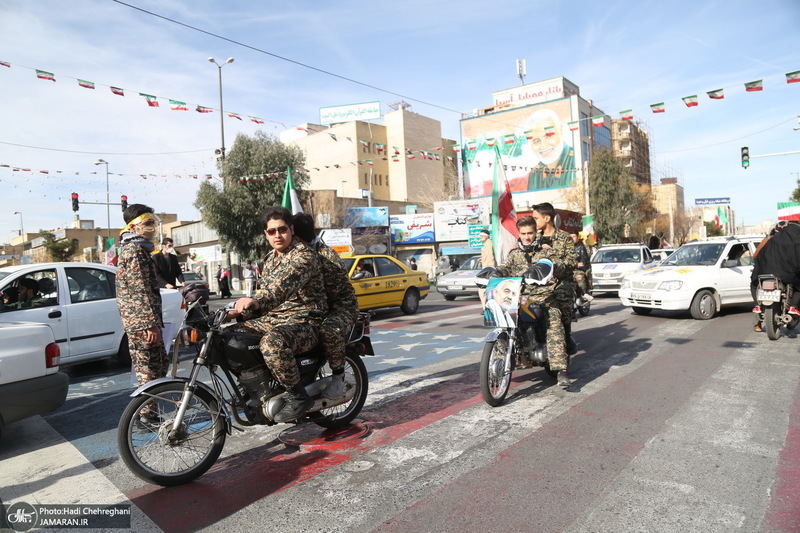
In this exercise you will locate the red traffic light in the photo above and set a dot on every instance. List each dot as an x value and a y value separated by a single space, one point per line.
75 202
74 196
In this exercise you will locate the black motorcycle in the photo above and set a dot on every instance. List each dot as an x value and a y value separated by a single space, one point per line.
187 419
773 298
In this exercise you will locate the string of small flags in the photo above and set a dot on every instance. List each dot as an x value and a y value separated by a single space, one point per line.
143 176
151 100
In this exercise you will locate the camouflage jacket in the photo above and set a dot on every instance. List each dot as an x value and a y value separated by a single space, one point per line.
138 297
338 289
291 286
561 253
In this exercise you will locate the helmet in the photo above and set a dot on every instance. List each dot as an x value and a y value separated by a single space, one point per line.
540 272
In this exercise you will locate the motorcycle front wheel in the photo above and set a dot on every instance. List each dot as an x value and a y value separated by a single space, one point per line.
342 414
495 377
771 325
148 449
584 308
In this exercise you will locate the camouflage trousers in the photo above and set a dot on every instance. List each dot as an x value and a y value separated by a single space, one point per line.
583 280
281 342
335 332
559 326
150 361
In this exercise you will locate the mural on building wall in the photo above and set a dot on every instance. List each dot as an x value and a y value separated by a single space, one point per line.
535 142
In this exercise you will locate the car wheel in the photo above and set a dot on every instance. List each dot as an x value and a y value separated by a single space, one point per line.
703 306
410 302
641 310
449 297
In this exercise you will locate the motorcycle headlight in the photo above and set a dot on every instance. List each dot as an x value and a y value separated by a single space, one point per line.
672 285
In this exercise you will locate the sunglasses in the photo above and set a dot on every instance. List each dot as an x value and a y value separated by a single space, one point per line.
147 223
280 229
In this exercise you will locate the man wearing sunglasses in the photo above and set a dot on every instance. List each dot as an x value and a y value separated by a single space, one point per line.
290 308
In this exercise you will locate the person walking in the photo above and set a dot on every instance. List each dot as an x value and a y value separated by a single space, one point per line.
224 276
487 259
249 276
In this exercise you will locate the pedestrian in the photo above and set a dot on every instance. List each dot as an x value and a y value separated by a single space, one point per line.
583 268
168 270
249 276
139 300
223 276
487 258
412 263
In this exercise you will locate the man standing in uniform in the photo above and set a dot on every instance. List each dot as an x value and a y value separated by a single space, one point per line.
168 271
487 259
342 303
540 239
139 299
291 308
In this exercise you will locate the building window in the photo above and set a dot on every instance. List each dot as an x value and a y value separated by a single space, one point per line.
584 124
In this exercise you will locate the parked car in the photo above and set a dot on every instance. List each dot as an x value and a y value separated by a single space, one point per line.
193 277
700 277
462 281
383 281
612 262
78 301
30 383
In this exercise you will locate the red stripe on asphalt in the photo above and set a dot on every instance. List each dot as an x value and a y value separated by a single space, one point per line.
784 506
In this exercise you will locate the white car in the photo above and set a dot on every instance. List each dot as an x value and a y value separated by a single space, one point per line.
78 302
612 262
700 277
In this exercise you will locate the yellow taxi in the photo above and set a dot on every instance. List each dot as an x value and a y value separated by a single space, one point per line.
383 281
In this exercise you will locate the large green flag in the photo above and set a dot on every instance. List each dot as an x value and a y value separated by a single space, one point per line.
290 199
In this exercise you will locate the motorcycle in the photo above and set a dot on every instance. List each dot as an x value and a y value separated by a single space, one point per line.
580 306
773 298
519 334
193 417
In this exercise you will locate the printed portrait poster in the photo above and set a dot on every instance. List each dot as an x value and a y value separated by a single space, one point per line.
535 144
502 296
414 228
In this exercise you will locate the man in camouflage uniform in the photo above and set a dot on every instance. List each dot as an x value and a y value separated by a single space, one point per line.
540 239
342 303
139 299
291 308
583 268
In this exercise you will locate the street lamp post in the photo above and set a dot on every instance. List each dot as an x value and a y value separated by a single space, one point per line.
21 228
108 199
221 112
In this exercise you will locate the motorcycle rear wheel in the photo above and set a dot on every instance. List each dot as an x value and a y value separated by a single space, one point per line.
495 377
584 308
771 325
342 414
148 451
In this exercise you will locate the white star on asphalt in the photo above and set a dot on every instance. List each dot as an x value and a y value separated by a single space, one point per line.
409 347
415 334
440 351
394 360
380 342
444 337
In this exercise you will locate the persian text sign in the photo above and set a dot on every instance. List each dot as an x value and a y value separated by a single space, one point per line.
347 113
453 219
712 201
413 228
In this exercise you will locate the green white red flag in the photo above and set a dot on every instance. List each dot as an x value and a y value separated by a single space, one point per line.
529 134
657 108
151 100
793 77
627 114
255 119
504 217
203 109
235 115
490 141
178 106
549 131
86 84
117 91
472 145
789 211
509 139
690 101
574 125
456 148
719 94
599 120
5 64
42 75
720 218
752 86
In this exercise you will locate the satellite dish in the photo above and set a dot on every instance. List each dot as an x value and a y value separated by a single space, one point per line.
359 249
377 248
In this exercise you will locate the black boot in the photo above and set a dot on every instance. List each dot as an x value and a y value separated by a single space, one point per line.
297 402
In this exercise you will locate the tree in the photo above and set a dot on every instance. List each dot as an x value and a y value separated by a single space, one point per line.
712 230
795 197
58 250
612 197
234 209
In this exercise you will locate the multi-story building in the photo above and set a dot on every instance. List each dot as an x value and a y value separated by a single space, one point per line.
631 144
668 200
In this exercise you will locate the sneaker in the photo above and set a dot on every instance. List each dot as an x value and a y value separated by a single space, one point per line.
563 379
793 311
588 297
295 405
336 388
757 309
757 328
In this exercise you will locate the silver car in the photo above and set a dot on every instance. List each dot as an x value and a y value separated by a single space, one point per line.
460 282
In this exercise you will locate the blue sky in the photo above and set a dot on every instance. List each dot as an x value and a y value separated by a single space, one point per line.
443 58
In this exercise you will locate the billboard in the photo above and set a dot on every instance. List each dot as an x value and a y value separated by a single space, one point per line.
712 201
365 217
453 219
535 143
349 112
411 229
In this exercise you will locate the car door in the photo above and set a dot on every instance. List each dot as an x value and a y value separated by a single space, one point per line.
393 280
50 307
95 327
368 288
734 273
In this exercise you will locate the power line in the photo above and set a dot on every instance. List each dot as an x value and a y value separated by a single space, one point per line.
104 153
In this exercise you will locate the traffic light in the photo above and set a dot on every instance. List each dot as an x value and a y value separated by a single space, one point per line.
745 157
75 202
124 202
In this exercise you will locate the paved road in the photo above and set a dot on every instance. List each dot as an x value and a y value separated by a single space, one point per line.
672 425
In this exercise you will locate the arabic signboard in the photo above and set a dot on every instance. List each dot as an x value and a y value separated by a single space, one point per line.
412 228
533 93
475 240
337 237
365 217
349 112
453 219
712 201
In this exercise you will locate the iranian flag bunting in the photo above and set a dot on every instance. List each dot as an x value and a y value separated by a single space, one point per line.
117 91
504 217
753 86
255 119
203 109
490 141
793 77
690 101
379 147
627 114
456 148
599 120
529 134
720 218
5 64
396 149
395 158
789 211
472 145
178 106
719 94
549 131
574 125
657 108
509 139
235 115
42 75
151 100
86 84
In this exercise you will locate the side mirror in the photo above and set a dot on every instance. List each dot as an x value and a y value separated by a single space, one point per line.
358 275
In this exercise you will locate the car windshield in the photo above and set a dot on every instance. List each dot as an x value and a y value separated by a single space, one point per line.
695 254
619 255
473 263
4 275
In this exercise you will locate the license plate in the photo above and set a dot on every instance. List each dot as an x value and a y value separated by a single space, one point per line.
769 296
454 288
639 296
